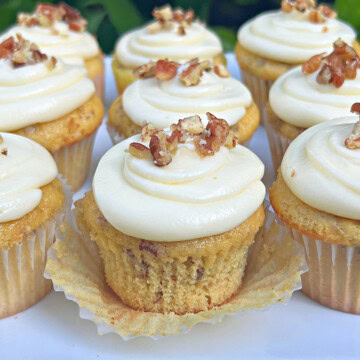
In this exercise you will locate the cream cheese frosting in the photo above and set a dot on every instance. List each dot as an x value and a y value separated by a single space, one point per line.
139 46
192 197
34 93
300 100
71 46
322 172
163 103
291 37
25 168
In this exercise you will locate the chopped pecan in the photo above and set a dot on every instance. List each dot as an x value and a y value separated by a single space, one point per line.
325 29
181 30
312 64
287 5
7 47
160 153
315 16
163 14
145 71
353 141
324 75
51 63
327 11
165 69
27 20
191 124
178 15
4 151
221 71
192 75
154 28
231 140
73 18
205 65
147 132
140 151
189 16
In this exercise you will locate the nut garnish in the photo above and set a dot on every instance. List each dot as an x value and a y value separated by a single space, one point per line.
353 141
162 146
341 64
145 71
22 52
192 75
4 151
165 69
167 18
316 14
222 71
46 15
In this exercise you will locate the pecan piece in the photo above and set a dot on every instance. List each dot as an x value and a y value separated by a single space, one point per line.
312 64
221 71
324 75
27 20
147 132
73 18
191 124
327 11
315 16
287 6
7 47
165 69
145 71
140 151
4 151
160 153
192 75
153 28
353 141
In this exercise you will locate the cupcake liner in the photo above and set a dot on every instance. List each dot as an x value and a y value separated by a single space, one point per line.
278 143
73 161
258 87
333 279
274 267
114 135
22 281
99 81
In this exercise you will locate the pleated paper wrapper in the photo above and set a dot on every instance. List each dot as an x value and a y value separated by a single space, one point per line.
273 273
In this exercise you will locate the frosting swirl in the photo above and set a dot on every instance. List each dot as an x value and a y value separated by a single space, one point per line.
61 42
163 103
300 100
322 172
34 94
191 197
138 47
291 37
23 171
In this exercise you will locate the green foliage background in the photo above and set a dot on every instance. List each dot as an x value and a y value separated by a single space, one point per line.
108 19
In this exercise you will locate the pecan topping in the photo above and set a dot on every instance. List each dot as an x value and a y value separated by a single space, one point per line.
222 71
46 15
353 141
317 14
4 151
341 64
22 52
167 18
145 71
192 75
207 141
165 69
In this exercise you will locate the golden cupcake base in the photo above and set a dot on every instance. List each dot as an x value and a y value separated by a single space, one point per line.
274 265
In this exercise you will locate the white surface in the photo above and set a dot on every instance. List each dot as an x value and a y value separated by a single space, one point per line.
302 329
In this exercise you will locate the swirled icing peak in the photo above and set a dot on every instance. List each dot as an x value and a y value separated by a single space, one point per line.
25 167
173 35
291 37
178 185
322 172
40 91
169 92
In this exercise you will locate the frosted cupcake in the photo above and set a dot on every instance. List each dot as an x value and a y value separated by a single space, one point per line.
167 91
60 31
173 35
174 214
274 42
317 196
51 103
324 87
32 205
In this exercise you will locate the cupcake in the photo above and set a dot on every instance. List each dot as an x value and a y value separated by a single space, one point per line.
317 196
32 203
167 91
51 103
274 42
174 214
324 87
59 31
173 35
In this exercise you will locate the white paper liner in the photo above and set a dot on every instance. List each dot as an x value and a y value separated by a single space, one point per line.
275 265
333 279
114 135
22 266
73 161
277 142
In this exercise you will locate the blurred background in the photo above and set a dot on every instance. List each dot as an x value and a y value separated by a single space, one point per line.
110 18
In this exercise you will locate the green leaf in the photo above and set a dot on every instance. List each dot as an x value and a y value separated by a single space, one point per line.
227 37
94 18
349 11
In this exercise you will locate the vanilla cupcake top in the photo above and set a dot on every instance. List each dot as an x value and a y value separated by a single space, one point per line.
182 184
168 91
25 166
322 167
35 88
59 31
295 33
174 35
324 87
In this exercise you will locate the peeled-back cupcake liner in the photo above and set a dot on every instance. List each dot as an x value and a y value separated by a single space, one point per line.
278 143
22 266
274 267
73 161
258 87
333 279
